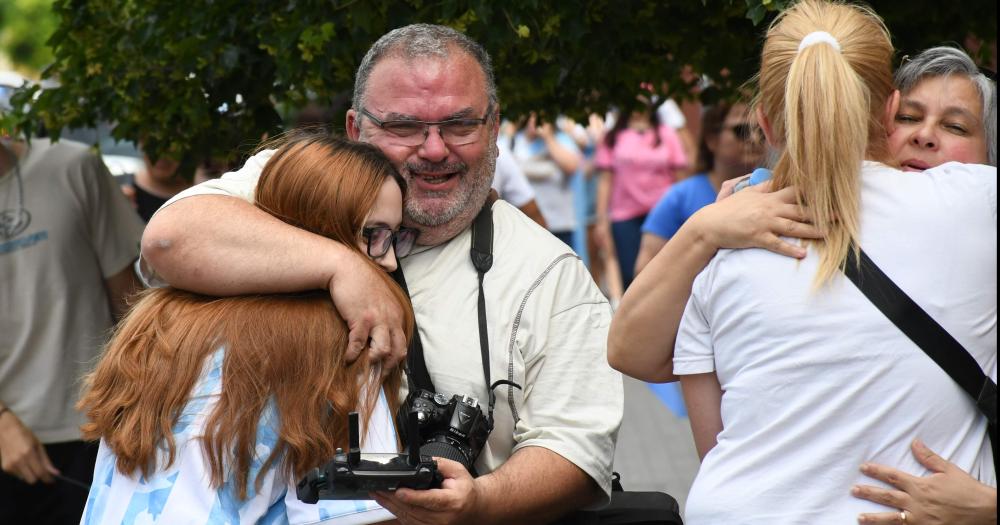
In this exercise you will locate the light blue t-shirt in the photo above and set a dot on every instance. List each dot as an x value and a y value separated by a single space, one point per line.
183 493
680 202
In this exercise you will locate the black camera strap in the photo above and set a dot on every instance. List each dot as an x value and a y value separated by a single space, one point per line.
417 376
481 254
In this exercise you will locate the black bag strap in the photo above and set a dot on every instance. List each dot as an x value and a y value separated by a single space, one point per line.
923 330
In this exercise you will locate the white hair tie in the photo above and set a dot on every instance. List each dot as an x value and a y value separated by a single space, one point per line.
817 37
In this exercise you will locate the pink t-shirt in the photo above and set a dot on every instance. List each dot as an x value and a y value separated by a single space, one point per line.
641 173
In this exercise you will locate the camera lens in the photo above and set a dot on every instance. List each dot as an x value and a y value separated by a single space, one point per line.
446 450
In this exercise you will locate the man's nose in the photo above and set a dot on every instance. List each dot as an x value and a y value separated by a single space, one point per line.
434 148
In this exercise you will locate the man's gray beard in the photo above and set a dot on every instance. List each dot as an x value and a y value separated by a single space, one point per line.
473 194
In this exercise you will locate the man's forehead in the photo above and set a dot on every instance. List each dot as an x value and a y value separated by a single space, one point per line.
404 85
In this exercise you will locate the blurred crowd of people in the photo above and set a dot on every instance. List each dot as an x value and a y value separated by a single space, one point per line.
617 186
800 393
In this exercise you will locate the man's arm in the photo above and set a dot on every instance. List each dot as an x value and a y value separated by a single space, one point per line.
543 484
535 485
21 454
222 245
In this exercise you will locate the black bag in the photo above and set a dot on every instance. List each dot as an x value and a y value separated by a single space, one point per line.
629 508
930 336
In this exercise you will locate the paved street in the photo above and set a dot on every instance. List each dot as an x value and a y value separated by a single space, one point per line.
655 448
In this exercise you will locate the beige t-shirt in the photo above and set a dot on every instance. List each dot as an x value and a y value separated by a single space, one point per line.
74 230
547 323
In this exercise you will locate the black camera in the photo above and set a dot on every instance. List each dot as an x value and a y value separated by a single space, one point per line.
453 428
354 475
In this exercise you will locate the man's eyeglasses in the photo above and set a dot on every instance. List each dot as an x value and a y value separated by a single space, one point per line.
412 133
746 132
379 238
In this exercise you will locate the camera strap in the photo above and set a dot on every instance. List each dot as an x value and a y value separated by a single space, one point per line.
481 254
417 376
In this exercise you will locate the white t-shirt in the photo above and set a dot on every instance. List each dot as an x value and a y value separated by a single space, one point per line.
509 180
547 322
671 115
817 382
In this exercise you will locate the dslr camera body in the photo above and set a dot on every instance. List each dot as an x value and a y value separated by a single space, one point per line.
454 428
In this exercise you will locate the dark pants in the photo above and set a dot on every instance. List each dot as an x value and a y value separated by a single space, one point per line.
566 237
627 235
58 503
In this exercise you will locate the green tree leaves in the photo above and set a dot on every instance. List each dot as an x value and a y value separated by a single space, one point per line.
206 78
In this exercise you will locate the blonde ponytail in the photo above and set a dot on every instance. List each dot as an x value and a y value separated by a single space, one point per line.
824 99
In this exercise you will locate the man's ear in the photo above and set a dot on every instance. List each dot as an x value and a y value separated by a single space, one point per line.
765 126
353 125
496 125
891 108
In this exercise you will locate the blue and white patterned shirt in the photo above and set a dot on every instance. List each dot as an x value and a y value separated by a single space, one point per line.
183 492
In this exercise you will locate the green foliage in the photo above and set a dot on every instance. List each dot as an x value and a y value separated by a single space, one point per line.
25 25
203 78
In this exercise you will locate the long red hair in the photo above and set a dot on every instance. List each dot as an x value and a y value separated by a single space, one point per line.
282 348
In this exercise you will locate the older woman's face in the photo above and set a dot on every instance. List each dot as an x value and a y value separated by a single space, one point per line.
939 120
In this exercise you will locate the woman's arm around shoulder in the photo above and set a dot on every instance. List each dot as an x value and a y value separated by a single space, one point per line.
643 331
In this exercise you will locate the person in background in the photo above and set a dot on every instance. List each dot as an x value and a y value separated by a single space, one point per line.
731 146
218 405
68 238
549 158
151 187
670 114
512 185
637 161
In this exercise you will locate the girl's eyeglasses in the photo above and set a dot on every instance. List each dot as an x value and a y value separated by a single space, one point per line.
379 238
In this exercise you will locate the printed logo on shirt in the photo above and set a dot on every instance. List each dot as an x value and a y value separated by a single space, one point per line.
12 223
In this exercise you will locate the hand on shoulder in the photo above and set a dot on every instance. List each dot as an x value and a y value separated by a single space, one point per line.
755 218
